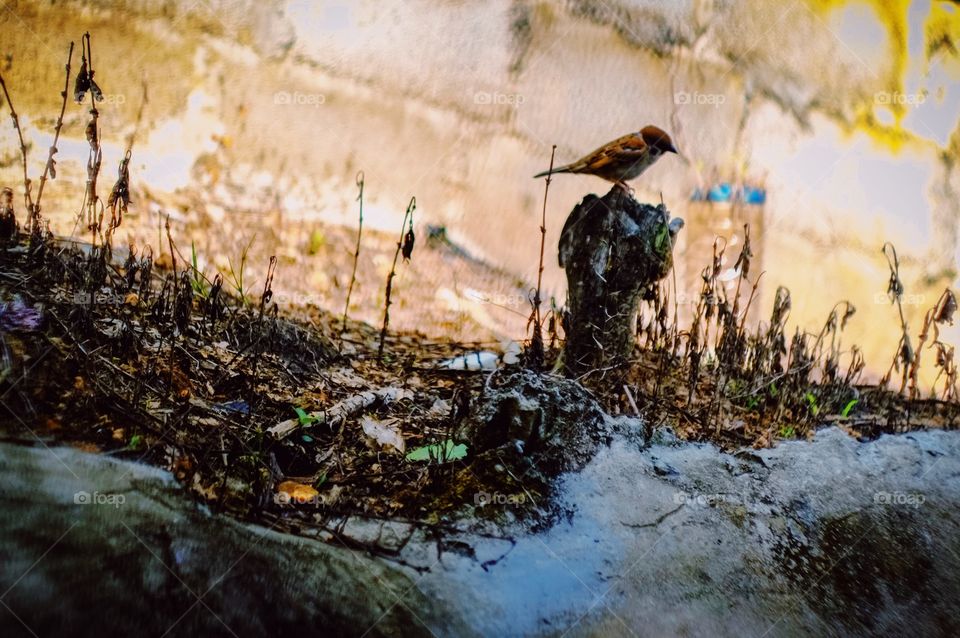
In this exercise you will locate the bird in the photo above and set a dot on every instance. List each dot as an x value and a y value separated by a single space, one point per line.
622 159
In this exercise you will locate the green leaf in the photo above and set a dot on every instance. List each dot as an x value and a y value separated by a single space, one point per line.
317 241
847 408
812 401
136 442
662 240
196 282
305 419
446 451
320 481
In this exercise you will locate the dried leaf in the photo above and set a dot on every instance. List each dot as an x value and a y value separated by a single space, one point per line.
384 432
293 492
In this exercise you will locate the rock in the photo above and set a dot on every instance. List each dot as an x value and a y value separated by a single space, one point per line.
663 469
553 419
96 546
827 537
664 435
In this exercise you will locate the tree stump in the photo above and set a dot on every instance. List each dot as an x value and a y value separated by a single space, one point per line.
612 248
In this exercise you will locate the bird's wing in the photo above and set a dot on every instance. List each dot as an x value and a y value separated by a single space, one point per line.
629 147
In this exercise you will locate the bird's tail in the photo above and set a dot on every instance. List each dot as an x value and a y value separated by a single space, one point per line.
562 169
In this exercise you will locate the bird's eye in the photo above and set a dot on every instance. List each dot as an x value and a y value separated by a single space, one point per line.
654 151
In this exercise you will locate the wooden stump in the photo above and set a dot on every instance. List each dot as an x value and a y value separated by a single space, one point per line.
612 249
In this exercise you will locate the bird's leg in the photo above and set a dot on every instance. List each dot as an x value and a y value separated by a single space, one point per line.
623 186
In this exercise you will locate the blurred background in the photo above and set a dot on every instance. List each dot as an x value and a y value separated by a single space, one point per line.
829 126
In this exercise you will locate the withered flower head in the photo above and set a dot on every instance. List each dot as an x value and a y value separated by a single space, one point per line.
408 241
121 190
849 312
91 132
894 287
95 89
85 81
82 84
8 220
906 351
946 308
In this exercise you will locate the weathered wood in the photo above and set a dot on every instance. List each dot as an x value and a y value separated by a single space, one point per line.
612 249
339 413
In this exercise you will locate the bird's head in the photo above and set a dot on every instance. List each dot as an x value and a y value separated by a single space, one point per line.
658 140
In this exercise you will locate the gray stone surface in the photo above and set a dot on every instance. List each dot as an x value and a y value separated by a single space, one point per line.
831 537
141 559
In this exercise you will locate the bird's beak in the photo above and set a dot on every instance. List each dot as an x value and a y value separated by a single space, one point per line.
671 149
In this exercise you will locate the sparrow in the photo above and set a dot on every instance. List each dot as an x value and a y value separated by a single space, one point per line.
622 159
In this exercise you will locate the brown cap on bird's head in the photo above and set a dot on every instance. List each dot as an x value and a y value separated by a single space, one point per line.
657 138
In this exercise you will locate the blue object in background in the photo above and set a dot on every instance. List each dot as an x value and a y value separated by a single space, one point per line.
725 193
239 407
720 193
754 196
